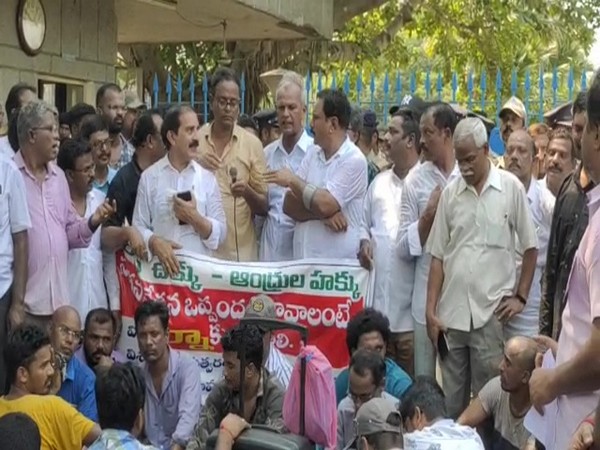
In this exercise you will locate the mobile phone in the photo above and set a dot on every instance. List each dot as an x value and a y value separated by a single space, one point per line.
442 345
185 196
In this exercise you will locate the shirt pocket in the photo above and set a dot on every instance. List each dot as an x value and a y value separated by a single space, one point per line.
498 231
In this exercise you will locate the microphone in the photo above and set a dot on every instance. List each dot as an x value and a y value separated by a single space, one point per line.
233 174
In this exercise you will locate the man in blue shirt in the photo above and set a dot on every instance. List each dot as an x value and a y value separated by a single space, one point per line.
75 381
370 330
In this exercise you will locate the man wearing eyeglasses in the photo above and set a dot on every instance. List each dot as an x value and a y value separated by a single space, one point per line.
237 159
74 380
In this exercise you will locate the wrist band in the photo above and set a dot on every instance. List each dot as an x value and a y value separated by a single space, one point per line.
590 420
521 298
307 195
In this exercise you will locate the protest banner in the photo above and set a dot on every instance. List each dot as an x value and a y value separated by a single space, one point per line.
209 296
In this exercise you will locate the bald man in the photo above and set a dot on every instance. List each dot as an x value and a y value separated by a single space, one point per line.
75 381
505 398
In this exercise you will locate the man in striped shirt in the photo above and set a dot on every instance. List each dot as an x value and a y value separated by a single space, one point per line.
276 363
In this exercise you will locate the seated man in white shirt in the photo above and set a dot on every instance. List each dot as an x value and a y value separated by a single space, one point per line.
178 202
423 410
262 307
325 197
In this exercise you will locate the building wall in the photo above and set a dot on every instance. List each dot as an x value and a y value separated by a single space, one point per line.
80 46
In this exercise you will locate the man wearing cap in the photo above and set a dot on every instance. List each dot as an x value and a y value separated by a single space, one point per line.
277 236
133 108
268 126
363 129
512 117
262 307
378 426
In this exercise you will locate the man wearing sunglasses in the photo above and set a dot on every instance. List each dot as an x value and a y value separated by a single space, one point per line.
74 380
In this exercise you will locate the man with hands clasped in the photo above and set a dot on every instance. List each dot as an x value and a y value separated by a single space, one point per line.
178 202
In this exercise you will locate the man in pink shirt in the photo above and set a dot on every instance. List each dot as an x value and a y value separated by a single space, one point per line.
56 227
575 381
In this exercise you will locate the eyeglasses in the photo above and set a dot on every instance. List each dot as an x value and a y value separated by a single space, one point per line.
96 145
87 170
224 103
50 128
67 332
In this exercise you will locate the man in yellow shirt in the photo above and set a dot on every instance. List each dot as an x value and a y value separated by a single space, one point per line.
30 369
237 159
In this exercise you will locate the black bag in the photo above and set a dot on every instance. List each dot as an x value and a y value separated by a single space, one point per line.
261 437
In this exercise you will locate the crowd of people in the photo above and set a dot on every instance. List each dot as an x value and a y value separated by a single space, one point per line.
482 264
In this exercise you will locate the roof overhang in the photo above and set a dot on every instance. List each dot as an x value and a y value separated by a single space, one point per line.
165 21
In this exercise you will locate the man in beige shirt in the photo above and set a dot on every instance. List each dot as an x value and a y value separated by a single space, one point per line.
472 279
237 159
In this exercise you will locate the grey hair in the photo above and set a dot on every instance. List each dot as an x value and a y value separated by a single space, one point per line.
471 127
31 116
291 78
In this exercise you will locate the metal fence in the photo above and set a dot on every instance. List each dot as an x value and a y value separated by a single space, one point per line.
539 89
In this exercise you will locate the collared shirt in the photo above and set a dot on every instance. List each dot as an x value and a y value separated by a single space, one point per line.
344 176
170 417
278 365
394 276
85 267
123 189
582 308
127 151
419 185
346 430
245 153
444 434
154 214
116 356
78 388
222 400
14 218
397 381
372 171
569 222
276 242
103 187
112 439
56 228
472 231
5 148
541 205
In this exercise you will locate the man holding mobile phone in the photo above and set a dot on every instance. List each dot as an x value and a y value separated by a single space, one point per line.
179 203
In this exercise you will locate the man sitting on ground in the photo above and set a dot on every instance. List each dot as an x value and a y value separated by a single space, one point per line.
370 329
263 394
367 380
30 369
18 431
423 410
120 392
75 378
378 426
98 348
506 398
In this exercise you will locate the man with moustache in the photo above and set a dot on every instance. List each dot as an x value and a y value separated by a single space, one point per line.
574 381
569 222
477 219
561 159
418 205
95 132
236 158
110 104
394 276
325 197
56 226
173 388
84 265
519 158
97 350
74 379
179 201
276 243
512 117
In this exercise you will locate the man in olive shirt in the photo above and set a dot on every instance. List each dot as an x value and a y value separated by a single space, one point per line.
237 159
261 390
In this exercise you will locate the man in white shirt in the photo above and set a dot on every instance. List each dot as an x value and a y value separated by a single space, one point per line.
14 223
423 410
178 200
394 276
518 159
420 197
478 218
276 242
85 267
325 197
